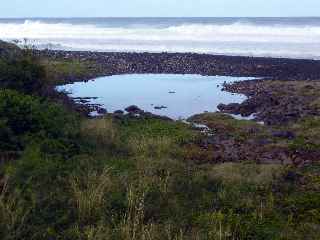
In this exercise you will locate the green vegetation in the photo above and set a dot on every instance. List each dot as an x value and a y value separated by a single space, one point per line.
59 70
9 50
225 124
25 119
64 176
307 131
22 73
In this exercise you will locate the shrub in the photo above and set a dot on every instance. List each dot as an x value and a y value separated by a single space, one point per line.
23 118
9 50
23 73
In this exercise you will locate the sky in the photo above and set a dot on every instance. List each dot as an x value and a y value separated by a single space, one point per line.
159 8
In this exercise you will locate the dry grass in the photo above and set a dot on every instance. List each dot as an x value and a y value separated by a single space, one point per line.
156 147
91 232
89 194
13 215
103 131
237 173
133 226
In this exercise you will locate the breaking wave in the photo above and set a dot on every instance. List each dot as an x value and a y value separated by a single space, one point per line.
237 38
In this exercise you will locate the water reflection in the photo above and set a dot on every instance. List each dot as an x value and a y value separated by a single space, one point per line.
172 95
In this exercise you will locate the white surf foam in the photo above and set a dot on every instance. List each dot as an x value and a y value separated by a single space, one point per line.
236 38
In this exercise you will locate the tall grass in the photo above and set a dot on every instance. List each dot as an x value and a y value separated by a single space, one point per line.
90 232
241 173
89 194
134 225
156 147
13 214
102 132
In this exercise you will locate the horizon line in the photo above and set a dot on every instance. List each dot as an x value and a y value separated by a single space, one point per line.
161 17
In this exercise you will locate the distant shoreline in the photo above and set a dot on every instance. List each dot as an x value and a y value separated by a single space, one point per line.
113 63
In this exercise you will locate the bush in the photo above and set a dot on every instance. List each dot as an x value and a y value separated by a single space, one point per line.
23 73
9 50
23 118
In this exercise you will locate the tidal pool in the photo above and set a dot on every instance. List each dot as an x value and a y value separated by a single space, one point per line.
173 95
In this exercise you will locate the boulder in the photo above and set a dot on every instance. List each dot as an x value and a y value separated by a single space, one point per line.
229 108
160 107
102 111
119 112
283 134
133 109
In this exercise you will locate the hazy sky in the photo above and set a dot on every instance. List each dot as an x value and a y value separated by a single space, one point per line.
157 8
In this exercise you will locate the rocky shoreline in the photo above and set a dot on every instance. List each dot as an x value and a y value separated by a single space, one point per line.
112 63
285 98
275 102
264 98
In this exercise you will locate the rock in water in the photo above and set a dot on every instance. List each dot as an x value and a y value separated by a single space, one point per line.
229 108
118 112
102 111
133 109
160 107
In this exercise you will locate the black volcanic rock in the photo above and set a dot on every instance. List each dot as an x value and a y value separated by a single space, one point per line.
110 63
229 108
133 109
102 111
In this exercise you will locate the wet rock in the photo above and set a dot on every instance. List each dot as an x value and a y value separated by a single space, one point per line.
102 111
160 107
283 134
133 109
119 112
229 108
205 64
292 176
83 101
309 87
263 141
276 102
148 115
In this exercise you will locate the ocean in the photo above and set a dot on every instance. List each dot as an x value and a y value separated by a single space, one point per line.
265 37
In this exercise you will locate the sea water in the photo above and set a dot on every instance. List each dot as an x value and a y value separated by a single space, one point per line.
268 37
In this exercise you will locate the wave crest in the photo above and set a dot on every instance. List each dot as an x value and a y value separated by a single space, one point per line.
240 37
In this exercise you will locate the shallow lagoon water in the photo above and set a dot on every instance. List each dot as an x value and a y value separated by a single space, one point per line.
181 95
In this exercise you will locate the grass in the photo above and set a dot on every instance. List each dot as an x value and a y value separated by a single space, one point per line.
179 132
223 123
249 173
151 147
150 193
136 179
13 214
103 132
89 193
60 70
